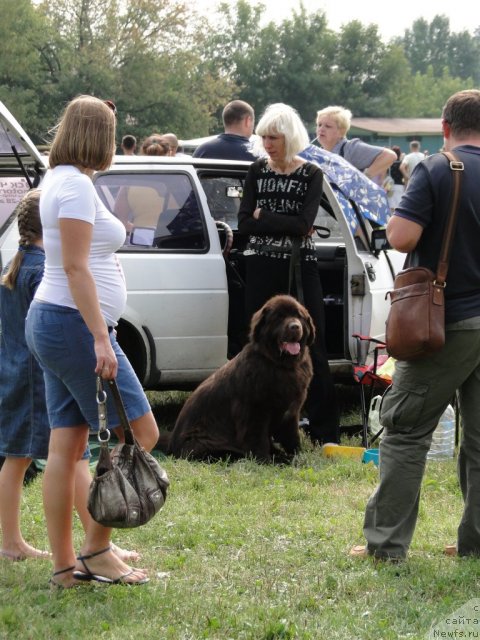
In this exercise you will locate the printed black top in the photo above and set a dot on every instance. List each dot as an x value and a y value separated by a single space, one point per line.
289 204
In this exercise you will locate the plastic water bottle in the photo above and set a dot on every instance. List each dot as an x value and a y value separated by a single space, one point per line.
374 416
443 441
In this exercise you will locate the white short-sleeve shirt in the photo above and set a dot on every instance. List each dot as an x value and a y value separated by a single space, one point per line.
68 193
411 160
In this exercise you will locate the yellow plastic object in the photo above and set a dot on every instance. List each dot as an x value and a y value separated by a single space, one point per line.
338 451
387 369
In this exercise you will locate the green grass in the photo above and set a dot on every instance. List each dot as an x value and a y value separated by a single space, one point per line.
255 552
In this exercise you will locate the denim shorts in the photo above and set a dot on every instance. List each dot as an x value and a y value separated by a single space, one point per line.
62 343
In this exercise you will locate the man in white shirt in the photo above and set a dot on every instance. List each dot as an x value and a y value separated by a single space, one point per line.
411 160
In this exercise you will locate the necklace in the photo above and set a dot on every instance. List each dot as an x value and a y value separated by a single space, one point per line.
287 168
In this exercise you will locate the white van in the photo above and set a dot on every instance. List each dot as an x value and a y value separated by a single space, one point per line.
185 313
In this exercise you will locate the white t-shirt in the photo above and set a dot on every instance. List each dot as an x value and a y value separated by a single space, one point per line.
68 193
411 160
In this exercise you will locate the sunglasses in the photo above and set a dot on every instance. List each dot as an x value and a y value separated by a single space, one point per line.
111 105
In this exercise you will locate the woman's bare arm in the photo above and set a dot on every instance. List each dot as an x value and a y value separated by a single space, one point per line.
76 238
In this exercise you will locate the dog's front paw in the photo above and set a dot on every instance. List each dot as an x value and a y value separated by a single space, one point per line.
279 455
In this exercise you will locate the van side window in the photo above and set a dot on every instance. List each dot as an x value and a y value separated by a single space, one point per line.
159 211
224 194
325 218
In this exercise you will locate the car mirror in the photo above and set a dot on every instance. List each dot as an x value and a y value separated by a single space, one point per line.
234 192
378 241
142 236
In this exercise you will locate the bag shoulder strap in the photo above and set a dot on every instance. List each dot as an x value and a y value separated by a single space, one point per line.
122 414
457 168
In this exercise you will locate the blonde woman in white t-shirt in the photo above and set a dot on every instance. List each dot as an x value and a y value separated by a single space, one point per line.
70 329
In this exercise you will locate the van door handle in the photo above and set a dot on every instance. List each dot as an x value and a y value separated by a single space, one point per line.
372 276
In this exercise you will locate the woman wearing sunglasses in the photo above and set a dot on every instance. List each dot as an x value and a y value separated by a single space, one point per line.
70 329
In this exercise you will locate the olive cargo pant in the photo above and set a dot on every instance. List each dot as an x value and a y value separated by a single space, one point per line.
410 412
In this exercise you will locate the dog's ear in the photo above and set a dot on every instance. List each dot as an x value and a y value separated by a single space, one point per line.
307 318
257 324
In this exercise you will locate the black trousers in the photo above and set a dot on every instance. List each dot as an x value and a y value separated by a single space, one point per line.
268 276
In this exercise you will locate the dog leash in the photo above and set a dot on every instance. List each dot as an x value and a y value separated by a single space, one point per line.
295 271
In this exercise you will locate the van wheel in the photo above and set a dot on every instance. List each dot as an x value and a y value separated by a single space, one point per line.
134 348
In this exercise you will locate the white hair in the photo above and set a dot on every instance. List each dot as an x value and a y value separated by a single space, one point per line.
282 119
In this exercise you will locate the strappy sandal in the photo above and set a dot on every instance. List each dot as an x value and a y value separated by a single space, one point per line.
88 576
56 585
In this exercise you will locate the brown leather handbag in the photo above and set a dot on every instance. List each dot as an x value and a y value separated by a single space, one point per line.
416 321
129 485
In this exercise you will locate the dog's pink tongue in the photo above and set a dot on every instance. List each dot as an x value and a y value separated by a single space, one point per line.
293 348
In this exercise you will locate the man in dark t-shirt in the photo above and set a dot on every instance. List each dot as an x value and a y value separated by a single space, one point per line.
238 121
422 389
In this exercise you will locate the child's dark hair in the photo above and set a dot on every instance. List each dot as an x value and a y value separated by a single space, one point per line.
30 229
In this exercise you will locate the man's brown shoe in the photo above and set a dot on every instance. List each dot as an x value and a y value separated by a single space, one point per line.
359 551
450 550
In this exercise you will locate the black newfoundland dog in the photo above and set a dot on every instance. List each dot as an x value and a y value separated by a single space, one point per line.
252 404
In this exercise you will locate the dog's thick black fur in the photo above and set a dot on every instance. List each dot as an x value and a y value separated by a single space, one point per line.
254 400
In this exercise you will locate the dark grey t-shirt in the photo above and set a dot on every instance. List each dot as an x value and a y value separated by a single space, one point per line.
227 146
427 202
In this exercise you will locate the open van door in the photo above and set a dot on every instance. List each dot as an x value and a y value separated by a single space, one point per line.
22 167
356 271
367 273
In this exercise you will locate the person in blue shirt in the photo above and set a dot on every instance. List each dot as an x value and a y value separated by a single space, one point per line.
24 429
422 389
238 121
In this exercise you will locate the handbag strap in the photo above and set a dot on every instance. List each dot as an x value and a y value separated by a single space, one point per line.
457 168
103 432
122 414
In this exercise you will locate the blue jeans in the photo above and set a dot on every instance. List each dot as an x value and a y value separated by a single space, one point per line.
64 346
24 428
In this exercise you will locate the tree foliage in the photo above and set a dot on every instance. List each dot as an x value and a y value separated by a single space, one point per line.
302 62
432 45
169 69
129 51
21 61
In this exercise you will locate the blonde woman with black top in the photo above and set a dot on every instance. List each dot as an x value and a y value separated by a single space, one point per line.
280 201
